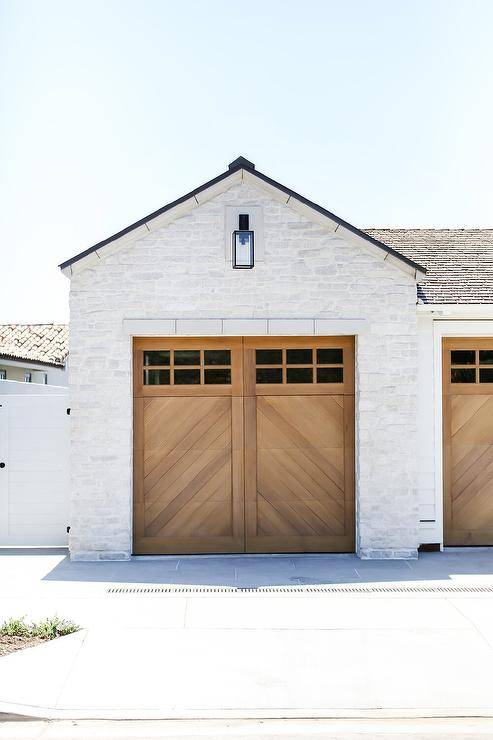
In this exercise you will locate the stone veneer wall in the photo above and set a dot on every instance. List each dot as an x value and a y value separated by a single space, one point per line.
180 271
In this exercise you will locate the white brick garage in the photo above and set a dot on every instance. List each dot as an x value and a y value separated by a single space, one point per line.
172 272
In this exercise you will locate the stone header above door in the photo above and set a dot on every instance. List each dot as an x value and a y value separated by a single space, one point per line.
244 327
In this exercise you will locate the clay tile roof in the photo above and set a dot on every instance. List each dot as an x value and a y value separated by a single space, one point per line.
459 261
45 343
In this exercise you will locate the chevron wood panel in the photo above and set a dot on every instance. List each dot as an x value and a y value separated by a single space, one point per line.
303 498
187 476
469 469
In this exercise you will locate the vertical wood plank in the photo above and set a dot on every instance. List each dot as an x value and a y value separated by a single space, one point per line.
251 517
236 365
248 368
348 350
447 472
349 462
138 469
237 468
138 380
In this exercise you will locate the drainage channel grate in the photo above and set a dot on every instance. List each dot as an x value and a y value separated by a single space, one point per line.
326 589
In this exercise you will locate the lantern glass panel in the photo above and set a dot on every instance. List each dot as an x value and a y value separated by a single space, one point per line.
243 249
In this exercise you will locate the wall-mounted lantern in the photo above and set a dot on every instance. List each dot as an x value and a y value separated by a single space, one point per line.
243 244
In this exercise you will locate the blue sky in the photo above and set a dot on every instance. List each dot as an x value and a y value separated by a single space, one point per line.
380 110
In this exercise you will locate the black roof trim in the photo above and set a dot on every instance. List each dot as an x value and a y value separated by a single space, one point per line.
243 164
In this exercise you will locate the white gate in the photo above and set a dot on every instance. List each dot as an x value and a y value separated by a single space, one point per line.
34 469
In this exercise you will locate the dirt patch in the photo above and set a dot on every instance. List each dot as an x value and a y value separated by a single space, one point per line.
11 644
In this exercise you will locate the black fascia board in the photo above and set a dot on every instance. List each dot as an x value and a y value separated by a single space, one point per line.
235 167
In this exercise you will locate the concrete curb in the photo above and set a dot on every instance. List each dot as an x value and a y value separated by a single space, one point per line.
21 712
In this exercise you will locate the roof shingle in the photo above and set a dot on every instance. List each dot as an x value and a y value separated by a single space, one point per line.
459 261
46 343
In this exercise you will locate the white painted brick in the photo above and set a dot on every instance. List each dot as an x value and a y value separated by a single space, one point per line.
179 271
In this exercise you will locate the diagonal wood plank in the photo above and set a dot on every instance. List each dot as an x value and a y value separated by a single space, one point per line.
300 482
216 460
464 409
174 462
187 471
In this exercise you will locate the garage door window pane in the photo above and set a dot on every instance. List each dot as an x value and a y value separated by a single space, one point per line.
187 357
217 377
486 375
463 375
463 357
156 377
217 357
156 357
486 357
187 377
268 356
299 356
329 356
299 375
269 375
330 375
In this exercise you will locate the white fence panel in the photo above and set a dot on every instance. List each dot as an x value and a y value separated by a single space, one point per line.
34 480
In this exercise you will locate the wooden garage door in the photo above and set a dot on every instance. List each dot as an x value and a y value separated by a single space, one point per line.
468 441
244 445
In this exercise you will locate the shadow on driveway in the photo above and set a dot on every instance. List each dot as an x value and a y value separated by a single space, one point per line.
250 571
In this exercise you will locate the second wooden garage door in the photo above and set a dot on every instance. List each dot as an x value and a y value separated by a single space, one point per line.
468 441
244 445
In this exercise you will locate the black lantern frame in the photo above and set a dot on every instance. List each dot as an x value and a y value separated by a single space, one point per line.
237 236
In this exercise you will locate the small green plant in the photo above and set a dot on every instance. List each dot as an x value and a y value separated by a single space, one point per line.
52 627
15 628
45 629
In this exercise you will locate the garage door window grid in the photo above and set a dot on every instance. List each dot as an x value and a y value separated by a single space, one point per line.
187 367
299 365
471 366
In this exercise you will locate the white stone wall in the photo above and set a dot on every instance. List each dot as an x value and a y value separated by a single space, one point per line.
180 271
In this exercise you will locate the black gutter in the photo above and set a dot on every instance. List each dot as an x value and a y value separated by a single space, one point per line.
243 164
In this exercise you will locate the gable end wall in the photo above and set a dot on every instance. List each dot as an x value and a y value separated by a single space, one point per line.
180 271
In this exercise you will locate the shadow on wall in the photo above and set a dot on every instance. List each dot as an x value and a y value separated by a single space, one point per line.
250 571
